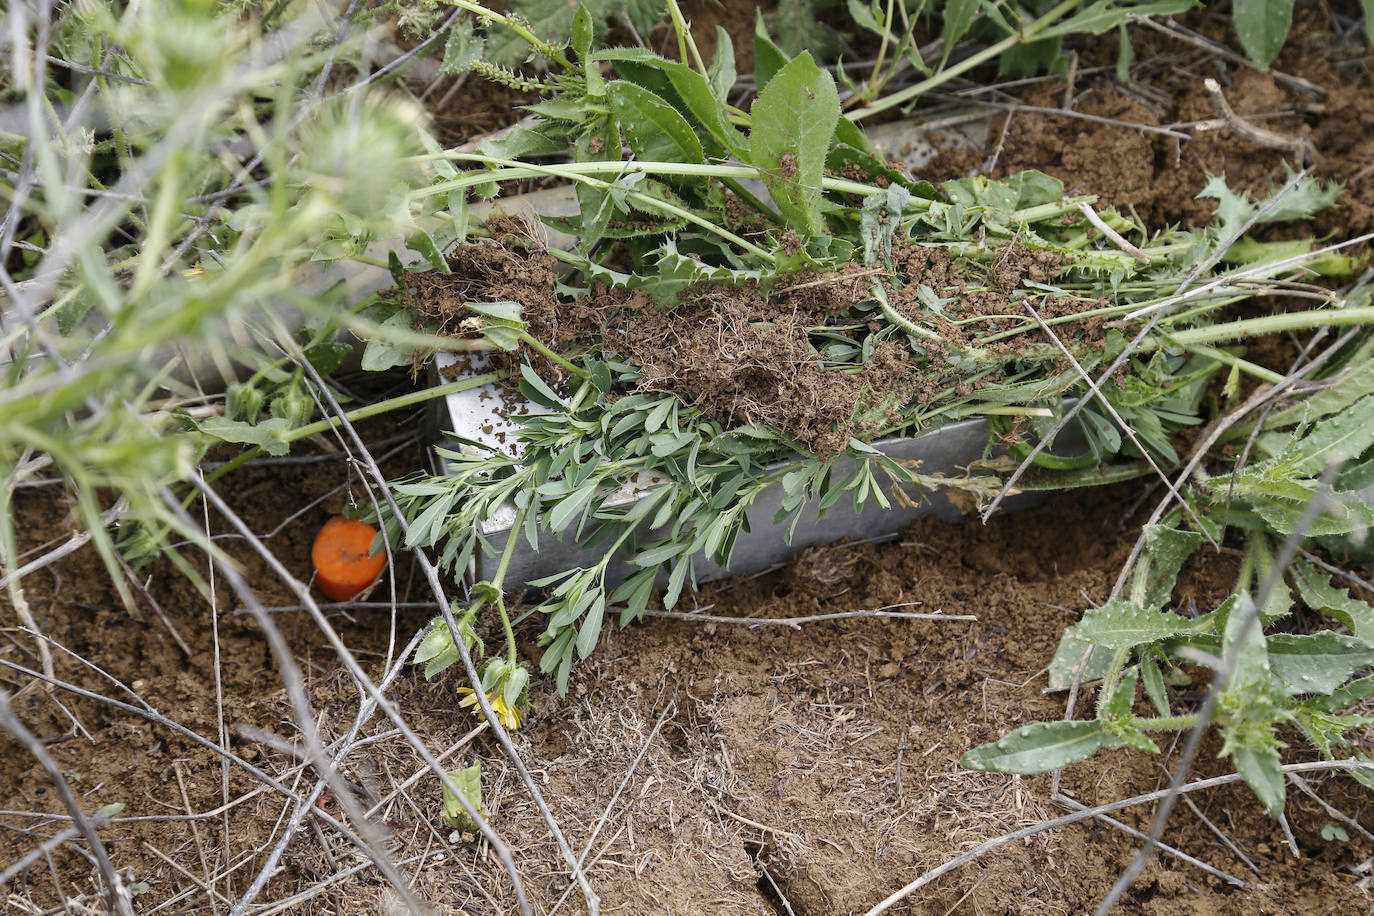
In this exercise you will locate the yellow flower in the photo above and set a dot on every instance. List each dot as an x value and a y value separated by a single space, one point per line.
509 715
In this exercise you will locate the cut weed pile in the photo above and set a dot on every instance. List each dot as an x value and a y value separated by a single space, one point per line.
1168 332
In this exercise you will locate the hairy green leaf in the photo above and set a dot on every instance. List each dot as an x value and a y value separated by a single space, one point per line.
1041 747
794 120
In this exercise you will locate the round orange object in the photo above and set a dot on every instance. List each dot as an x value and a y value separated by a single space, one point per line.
343 567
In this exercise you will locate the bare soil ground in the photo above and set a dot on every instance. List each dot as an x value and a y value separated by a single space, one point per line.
699 767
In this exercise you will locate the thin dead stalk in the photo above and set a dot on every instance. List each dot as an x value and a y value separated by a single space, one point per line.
1301 147
1007 838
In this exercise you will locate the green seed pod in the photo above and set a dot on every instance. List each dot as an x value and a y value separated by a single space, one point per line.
294 406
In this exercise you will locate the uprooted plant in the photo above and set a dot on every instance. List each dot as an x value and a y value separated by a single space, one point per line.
754 285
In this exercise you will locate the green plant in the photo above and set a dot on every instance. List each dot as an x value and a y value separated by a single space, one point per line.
1268 675
714 205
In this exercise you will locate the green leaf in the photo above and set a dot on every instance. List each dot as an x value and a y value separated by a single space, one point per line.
768 57
1154 685
1040 747
794 120
696 93
1316 662
267 435
381 354
590 630
1319 593
721 71
958 18
462 48
1123 698
468 782
1368 6
1262 27
1166 550
1262 771
653 128
570 507
1108 14
1123 625
534 388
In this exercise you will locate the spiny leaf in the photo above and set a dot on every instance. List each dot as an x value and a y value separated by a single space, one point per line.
1121 624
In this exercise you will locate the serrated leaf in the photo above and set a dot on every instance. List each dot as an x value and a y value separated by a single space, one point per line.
1319 593
1040 747
1262 27
794 120
462 47
654 129
1244 638
1121 624
1316 662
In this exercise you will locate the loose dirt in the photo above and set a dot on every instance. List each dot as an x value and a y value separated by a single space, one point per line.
1331 104
707 768
735 768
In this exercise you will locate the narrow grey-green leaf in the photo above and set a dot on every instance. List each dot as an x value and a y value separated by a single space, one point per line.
1040 747
590 630
794 120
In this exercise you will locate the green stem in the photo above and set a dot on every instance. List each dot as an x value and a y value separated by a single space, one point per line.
539 44
685 42
1269 324
1243 365
362 413
1165 723
516 529
549 354
1026 34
